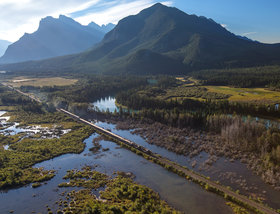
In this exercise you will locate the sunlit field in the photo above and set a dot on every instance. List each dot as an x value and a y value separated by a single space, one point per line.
53 81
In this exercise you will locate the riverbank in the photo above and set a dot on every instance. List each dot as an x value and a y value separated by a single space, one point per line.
29 138
193 143
116 194
205 182
14 200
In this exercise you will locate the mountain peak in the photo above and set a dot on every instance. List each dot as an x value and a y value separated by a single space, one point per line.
63 17
154 8
47 19
60 19
103 28
54 37
66 19
158 5
94 25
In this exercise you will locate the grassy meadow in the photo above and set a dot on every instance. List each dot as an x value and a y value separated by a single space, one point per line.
40 82
189 88
252 95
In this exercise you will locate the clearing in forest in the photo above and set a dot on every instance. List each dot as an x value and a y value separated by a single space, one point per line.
40 82
252 95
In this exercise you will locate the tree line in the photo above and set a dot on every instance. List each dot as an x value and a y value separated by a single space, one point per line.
241 77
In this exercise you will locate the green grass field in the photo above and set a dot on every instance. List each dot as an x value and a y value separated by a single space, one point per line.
253 95
53 81
191 89
191 92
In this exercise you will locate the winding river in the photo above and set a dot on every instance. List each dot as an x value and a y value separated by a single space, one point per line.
177 191
221 166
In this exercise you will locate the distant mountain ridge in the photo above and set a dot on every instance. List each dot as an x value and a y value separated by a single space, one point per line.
103 28
3 46
163 40
54 37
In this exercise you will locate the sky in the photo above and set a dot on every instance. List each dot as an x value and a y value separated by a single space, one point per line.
256 19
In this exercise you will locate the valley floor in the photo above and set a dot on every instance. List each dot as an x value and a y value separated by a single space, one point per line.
206 152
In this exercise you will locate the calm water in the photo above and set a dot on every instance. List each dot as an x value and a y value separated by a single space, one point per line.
221 166
177 191
11 128
107 103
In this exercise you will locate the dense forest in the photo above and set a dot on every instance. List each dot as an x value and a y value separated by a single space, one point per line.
241 77
10 98
88 89
223 118
194 107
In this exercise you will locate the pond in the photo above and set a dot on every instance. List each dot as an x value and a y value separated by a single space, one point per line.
177 191
107 103
12 128
3 120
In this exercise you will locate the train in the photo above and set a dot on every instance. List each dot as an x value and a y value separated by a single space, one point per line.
123 140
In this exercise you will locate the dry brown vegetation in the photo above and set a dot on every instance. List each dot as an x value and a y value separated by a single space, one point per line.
191 143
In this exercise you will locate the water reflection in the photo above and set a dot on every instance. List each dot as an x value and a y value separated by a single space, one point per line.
220 167
177 191
107 103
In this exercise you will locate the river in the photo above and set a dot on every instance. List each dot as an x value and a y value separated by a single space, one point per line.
221 166
177 191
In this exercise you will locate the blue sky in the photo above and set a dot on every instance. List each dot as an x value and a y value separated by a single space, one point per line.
256 19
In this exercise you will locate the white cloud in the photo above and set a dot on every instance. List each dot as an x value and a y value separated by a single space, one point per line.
14 2
118 11
23 16
20 16
248 33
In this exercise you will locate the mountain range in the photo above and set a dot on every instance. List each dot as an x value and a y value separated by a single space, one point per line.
162 40
103 28
54 37
3 46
